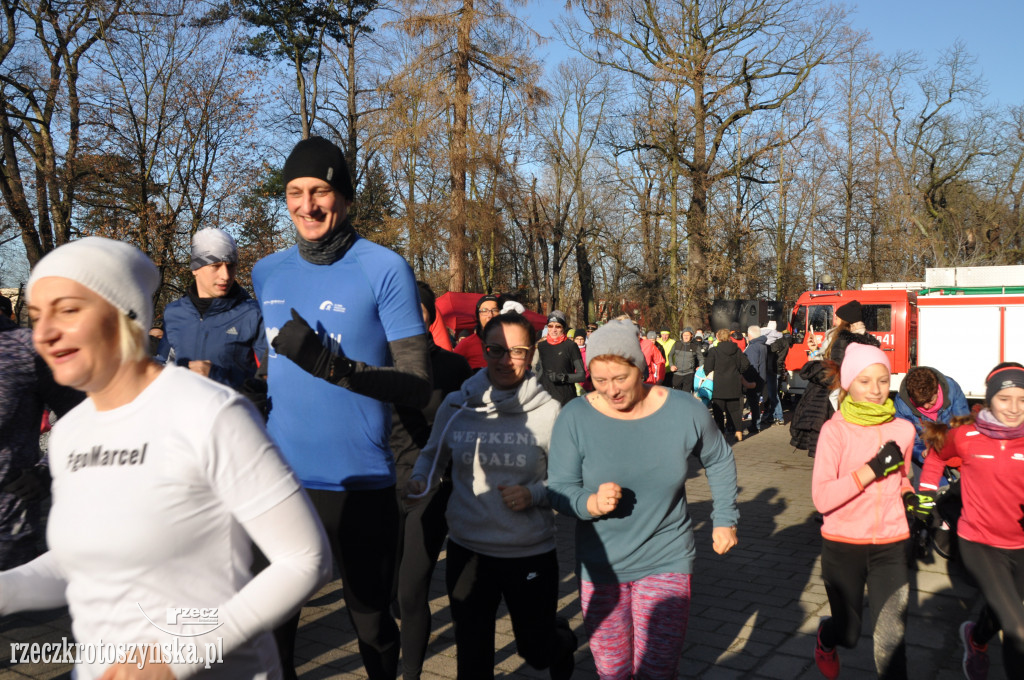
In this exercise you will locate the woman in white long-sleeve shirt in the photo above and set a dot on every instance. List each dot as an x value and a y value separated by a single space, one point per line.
161 478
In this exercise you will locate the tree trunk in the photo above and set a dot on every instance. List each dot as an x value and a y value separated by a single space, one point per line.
586 276
352 142
457 220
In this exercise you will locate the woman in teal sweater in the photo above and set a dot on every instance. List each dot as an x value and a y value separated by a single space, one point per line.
618 462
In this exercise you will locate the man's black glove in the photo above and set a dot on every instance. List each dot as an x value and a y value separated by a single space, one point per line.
300 343
557 378
888 460
255 390
919 504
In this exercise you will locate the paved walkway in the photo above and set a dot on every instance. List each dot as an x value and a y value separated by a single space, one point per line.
754 611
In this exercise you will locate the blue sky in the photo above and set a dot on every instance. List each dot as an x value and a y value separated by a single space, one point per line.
991 30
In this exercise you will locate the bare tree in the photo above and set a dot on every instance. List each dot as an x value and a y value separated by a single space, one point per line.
170 121
43 45
480 39
570 129
738 58
938 146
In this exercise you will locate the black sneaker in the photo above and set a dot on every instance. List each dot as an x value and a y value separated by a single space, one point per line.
562 668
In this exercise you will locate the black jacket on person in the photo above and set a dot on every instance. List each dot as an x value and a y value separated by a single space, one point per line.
728 364
844 338
777 353
815 407
410 427
561 367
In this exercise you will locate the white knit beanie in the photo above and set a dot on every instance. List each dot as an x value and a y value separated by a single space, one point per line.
118 272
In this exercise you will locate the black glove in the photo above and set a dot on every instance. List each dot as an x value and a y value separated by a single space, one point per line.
255 390
888 460
555 378
32 484
300 343
919 504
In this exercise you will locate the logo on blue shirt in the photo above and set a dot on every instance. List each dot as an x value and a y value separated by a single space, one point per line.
328 306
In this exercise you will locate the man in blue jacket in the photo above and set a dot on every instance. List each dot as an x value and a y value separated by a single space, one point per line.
927 396
215 329
757 376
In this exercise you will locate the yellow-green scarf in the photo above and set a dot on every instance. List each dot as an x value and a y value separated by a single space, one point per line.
866 412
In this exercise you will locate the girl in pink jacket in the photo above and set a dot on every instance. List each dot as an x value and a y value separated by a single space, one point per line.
859 483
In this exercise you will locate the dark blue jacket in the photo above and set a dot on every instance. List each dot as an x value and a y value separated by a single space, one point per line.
229 335
953 404
757 353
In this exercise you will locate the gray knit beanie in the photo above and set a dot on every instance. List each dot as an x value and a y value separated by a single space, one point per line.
620 339
212 245
118 272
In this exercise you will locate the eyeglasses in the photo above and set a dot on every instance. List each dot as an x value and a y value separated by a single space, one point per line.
490 312
497 351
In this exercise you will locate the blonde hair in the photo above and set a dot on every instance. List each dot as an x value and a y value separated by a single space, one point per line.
131 339
830 337
722 335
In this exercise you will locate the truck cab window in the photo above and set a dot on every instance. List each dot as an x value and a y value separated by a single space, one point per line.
819 318
877 318
799 324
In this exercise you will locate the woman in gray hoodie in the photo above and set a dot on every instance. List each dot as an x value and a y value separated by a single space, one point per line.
501 537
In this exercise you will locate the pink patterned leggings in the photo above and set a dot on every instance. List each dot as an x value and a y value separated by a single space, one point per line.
637 628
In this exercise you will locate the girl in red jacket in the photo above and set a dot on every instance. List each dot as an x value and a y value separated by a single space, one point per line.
991 526
858 483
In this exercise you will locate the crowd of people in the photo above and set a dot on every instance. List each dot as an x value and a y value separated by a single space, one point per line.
253 441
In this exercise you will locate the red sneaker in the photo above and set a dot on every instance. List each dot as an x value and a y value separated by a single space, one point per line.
827 661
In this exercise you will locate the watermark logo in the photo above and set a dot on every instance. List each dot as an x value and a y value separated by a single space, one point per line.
106 654
191 621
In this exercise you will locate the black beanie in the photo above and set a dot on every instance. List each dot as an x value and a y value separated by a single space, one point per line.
322 159
485 298
1003 376
850 312
427 300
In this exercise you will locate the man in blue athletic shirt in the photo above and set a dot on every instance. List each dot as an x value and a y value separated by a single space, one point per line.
343 318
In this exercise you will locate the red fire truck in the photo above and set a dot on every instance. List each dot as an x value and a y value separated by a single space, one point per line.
962 321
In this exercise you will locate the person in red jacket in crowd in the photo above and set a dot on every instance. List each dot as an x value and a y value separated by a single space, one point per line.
472 347
990 447
655 359
860 486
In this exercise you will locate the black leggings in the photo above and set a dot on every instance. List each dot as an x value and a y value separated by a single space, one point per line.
733 408
1000 576
845 569
362 527
529 585
422 530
